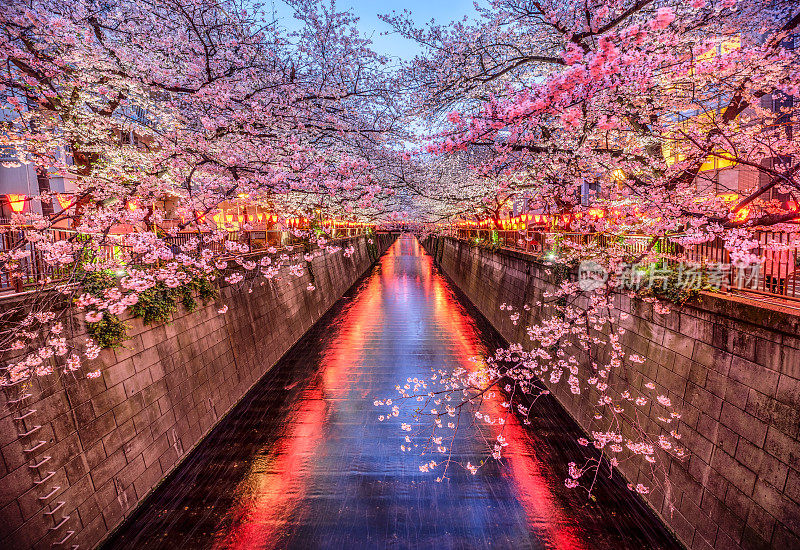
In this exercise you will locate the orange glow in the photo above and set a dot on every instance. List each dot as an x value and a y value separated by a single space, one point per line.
272 497
536 496
278 485
17 201
597 213
728 197
64 200
741 215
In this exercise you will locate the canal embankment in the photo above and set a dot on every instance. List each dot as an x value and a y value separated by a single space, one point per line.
304 460
731 367
79 454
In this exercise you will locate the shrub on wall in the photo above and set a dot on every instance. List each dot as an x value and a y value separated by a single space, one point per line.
157 304
108 332
673 288
206 290
154 306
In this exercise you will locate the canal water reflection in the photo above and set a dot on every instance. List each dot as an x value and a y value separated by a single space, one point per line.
302 462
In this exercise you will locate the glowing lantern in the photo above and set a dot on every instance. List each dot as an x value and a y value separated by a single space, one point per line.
17 202
596 212
229 217
741 215
64 200
260 216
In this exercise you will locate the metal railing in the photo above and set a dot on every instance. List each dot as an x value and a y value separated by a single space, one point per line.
33 270
775 275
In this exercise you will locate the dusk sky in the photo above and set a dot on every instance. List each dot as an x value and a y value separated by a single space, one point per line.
422 10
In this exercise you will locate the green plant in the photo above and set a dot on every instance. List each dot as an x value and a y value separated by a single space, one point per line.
673 287
206 290
372 249
186 295
108 332
97 282
155 305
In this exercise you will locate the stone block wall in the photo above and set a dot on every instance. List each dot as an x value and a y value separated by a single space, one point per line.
78 454
730 366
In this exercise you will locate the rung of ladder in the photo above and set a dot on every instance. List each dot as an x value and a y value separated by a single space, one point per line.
40 463
35 447
60 524
59 505
31 431
23 398
45 478
50 494
26 415
65 539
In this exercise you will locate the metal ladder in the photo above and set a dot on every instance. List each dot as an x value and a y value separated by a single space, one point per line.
27 430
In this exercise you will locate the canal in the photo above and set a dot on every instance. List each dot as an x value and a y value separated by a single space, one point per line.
302 462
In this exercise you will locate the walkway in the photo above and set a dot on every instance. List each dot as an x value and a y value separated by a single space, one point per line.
303 462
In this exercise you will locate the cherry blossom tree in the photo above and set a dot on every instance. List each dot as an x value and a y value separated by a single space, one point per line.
654 102
166 110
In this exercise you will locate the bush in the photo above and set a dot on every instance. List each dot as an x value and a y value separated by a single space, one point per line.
671 288
108 332
206 290
97 282
186 296
155 305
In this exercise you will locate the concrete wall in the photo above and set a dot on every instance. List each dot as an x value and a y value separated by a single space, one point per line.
732 369
101 445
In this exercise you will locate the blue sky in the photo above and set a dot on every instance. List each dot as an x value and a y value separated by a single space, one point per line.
422 10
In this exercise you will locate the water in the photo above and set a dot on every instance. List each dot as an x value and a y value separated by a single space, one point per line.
304 463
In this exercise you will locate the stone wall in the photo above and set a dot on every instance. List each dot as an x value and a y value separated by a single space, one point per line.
78 454
731 367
